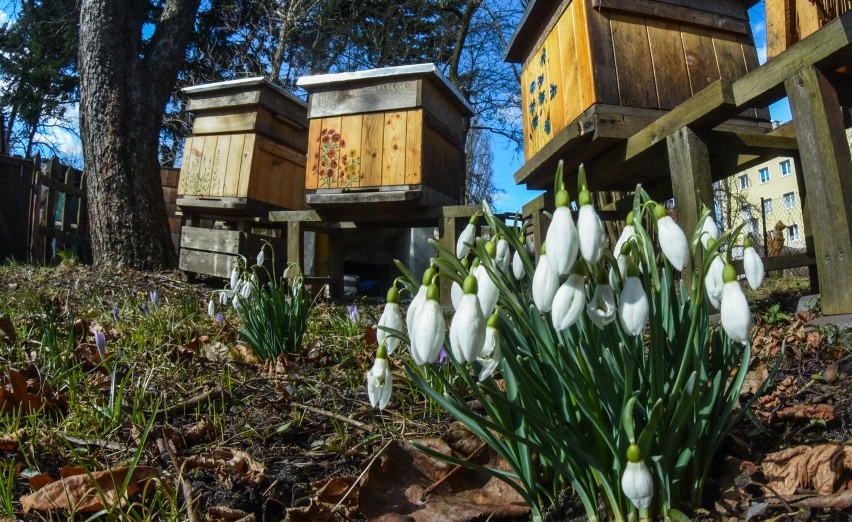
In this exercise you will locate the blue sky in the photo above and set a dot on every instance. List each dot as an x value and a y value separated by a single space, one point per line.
507 161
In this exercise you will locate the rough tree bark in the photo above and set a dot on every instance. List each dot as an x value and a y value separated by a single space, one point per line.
124 87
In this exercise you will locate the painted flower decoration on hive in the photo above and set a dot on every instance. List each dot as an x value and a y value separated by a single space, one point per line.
335 166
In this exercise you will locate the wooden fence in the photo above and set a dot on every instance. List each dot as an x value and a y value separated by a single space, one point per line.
43 210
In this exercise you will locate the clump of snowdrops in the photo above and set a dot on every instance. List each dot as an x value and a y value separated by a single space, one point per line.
614 382
273 310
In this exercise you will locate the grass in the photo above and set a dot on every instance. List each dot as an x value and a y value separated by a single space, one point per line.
105 413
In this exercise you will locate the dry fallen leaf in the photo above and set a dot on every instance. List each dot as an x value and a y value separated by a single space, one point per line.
806 412
10 442
824 469
230 463
87 493
396 482
228 514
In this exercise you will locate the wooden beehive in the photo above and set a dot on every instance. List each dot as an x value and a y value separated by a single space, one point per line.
247 148
625 59
385 135
788 21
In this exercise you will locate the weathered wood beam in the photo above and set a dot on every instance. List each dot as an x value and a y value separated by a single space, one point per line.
692 184
827 172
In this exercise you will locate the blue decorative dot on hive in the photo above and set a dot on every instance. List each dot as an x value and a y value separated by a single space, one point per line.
534 122
552 91
543 55
532 88
541 98
547 125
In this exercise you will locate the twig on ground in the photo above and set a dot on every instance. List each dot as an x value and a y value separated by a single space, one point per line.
450 473
167 450
366 469
115 446
342 418
210 395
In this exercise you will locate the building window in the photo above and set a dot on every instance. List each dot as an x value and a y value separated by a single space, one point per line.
764 174
744 184
790 200
786 168
793 233
746 213
767 206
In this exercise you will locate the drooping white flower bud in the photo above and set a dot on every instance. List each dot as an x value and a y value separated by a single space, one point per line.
590 230
568 303
601 309
428 329
467 330
456 294
380 381
545 283
503 257
633 305
734 312
709 231
561 237
490 355
752 265
626 233
466 238
713 281
391 318
518 266
672 239
488 292
211 308
419 299
637 482
261 257
235 277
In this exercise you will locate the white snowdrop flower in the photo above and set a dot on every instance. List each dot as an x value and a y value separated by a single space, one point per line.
561 237
713 283
488 292
568 303
466 238
590 232
503 258
236 301
235 277
211 308
428 329
636 482
456 294
490 356
545 284
391 318
261 257
734 312
518 266
633 306
246 289
380 381
224 297
626 233
601 309
621 264
752 265
419 299
709 231
467 330
672 239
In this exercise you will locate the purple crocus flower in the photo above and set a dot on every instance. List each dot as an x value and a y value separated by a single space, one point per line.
220 318
155 300
354 314
115 313
100 343
442 358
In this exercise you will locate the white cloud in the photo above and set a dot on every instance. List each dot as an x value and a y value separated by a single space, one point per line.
4 18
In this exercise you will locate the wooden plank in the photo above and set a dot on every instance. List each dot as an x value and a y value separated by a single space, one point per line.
220 166
350 150
528 107
692 184
601 54
678 13
209 263
569 83
59 186
372 141
236 152
247 164
208 157
827 48
414 122
241 98
282 151
224 241
731 61
312 168
223 122
808 232
827 171
259 184
387 96
807 19
671 78
560 63
700 57
442 108
634 69
583 58
779 27
393 158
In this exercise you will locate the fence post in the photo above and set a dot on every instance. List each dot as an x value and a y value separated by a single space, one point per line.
765 234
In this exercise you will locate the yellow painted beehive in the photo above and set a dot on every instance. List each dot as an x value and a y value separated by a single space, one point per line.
623 59
392 135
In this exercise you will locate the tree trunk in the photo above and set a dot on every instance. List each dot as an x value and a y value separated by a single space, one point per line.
123 94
